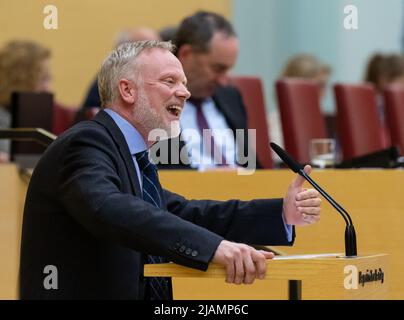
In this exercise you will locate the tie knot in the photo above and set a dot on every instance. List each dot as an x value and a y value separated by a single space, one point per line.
143 161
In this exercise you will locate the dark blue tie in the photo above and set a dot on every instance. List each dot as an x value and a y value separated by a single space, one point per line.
152 193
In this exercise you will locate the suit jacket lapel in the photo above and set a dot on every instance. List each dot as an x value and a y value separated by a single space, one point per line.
234 113
226 108
105 120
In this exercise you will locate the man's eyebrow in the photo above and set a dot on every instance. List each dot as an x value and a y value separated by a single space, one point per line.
168 75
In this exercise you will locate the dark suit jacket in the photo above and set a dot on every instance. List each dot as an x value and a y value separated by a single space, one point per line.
85 216
229 102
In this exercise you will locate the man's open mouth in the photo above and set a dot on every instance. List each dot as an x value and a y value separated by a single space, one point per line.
175 110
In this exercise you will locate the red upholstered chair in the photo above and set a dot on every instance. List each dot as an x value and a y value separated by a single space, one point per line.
86 114
253 97
394 108
63 118
91 112
300 111
358 124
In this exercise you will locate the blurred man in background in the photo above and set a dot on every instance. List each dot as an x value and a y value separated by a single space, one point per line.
207 47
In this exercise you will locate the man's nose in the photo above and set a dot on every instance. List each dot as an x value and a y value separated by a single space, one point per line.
183 92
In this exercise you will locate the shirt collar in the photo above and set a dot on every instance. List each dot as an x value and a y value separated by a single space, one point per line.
133 138
195 101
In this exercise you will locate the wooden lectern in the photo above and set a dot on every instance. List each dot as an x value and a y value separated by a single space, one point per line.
325 276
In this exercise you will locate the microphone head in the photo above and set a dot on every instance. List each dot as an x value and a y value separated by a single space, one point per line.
290 162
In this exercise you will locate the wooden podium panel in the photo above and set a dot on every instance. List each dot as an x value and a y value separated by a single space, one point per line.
330 277
373 197
12 195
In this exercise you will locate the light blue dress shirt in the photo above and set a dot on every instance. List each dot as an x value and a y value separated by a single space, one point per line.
222 134
133 138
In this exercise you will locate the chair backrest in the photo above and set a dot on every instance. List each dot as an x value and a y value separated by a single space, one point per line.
63 118
358 124
394 108
253 96
301 117
30 110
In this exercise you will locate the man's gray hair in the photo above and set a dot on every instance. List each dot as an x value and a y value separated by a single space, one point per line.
121 63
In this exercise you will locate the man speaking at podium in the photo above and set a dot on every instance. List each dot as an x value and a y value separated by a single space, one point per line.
95 211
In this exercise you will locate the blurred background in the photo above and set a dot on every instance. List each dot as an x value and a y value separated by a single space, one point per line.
270 33
86 32
278 39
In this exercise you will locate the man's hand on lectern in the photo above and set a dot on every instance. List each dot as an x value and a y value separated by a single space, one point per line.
301 206
243 263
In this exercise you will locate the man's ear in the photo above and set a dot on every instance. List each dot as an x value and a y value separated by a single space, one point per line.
185 52
127 91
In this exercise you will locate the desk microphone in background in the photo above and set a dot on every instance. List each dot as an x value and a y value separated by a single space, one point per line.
350 236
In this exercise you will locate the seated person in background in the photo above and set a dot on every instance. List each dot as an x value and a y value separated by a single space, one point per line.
306 66
96 211
302 66
207 47
24 67
383 70
92 98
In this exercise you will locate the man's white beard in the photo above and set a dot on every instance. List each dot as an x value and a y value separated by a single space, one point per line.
152 122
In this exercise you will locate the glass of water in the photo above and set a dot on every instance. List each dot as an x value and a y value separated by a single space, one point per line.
322 153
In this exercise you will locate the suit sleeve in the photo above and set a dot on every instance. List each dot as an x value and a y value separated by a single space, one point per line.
91 191
257 222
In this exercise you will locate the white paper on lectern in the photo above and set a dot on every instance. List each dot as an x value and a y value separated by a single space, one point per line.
308 256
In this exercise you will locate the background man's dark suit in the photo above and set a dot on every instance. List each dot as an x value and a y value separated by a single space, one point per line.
93 97
84 214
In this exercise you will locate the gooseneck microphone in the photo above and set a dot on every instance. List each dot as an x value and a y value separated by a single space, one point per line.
350 236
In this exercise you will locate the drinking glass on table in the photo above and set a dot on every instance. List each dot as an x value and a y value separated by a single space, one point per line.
322 153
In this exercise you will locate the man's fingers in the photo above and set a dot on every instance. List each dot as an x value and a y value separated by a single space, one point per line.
261 264
312 211
307 194
299 201
308 218
299 180
239 271
307 169
249 269
267 254
312 202
230 272
243 263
